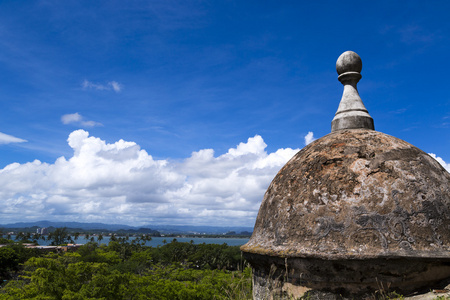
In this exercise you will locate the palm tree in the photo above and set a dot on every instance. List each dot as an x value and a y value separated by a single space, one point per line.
145 238
100 237
36 237
20 236
59 236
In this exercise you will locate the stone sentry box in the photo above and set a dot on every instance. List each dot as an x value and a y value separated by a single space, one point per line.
354 212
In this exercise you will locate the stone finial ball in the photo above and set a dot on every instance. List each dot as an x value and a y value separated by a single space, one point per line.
349 61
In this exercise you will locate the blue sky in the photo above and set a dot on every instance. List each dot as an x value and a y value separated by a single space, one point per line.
155 84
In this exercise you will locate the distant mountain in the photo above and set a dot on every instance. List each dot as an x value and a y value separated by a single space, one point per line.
139 231
164 229
84 226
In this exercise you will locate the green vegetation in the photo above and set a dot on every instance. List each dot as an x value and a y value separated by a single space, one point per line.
59 237
72 234
126 270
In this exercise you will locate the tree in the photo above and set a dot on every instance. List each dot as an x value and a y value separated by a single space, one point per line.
100 237
36 237
9 261
20 236
123 270
59 236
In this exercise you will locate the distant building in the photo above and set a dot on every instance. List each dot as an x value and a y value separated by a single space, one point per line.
42 231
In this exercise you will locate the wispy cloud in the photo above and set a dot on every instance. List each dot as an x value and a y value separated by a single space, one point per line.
398 111
78 119
410 33
416 34
8 139
111 85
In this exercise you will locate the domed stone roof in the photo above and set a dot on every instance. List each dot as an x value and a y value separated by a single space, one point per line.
355 211
356 193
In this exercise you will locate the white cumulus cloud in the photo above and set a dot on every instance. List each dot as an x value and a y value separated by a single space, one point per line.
78 119
441 161
111 85
122 183
309 138
8 139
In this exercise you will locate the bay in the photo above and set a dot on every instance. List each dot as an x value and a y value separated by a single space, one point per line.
160 241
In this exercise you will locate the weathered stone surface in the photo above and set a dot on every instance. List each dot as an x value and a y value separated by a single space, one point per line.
356 194
348 61
350 210
290 278
434 294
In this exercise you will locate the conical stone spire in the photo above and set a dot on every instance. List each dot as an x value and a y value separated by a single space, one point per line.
352 113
